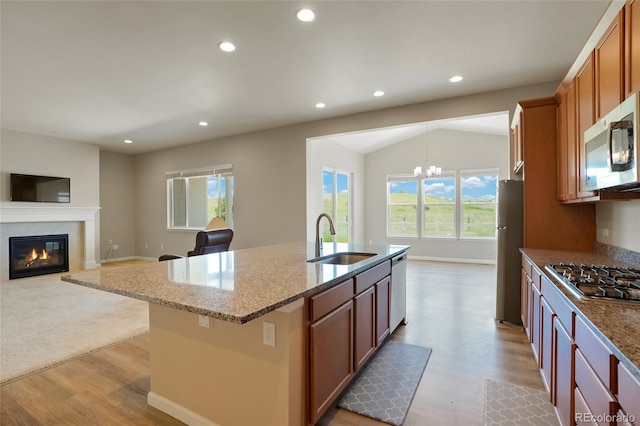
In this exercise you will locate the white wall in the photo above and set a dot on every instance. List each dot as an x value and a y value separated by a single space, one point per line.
117 197
622 221
49 156
325 153
451 150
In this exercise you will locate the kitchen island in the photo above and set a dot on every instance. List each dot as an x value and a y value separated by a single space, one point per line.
209 316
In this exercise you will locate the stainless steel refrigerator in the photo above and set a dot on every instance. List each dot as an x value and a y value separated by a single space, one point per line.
508 257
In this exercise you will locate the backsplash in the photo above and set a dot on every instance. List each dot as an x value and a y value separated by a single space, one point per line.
617 253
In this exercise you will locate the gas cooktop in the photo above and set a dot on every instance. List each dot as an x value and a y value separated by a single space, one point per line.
599 282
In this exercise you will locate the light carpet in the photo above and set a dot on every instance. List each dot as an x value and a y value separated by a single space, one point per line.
507 404
386 386
44 321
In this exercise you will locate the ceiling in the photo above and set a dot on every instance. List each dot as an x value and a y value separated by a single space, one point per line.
149 71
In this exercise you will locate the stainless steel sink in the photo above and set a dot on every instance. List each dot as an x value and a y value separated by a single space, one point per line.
343 258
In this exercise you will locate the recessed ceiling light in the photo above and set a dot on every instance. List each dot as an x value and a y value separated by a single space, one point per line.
320 105
378 93
306 15
203 123
455 78
128 141
226 46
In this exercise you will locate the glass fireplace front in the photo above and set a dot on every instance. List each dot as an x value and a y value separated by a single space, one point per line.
38 255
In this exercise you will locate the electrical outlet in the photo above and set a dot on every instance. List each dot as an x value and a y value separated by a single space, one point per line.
110 243
268 333
605 232
115 247
204 321
146 245
161 246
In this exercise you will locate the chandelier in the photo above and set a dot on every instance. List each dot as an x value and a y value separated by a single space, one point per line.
429 170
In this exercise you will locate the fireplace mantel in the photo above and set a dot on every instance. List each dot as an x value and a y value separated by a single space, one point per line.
25 214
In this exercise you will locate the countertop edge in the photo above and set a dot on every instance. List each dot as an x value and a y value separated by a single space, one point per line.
242 319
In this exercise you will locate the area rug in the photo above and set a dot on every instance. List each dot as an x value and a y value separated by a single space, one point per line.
386 386
44 321
509 404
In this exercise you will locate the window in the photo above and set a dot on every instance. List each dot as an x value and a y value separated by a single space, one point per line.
402 203
453 205
336 195
194 197
479 204
439 202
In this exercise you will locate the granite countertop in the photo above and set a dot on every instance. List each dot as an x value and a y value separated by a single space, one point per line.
617 323
236 286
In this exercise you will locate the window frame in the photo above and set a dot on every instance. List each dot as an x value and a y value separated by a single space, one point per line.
220 172
334 195
458 204
471 173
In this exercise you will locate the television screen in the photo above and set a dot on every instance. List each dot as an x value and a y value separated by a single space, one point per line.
44 189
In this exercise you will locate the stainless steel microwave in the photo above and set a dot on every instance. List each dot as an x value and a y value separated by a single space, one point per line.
611 154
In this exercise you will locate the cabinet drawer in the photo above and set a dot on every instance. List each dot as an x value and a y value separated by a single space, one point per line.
325 302
596 395
599 357
583 416
628 393
372 276
535 277
558 306
526 265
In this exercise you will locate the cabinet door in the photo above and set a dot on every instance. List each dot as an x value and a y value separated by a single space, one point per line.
365 338
534 305
585 115
383 298
331 358
632 46
572 171
546 343
524 302
563 379
608 60
561 109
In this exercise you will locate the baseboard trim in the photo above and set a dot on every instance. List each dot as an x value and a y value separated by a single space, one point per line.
453 260
177 411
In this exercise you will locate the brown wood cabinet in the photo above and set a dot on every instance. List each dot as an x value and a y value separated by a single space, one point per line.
585 117
632 47
331 358
347 323
516 148
548 223
628 393
563 379
365 336
609 66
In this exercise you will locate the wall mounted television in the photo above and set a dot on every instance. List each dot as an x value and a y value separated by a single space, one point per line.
41 189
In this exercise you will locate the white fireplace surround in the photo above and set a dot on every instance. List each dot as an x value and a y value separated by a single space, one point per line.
87 215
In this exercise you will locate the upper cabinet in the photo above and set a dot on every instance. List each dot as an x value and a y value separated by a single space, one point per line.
632 47
608 74
609 66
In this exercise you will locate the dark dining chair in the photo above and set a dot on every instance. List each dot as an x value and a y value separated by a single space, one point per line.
212 241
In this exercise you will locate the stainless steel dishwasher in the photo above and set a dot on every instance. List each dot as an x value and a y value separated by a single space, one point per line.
398 309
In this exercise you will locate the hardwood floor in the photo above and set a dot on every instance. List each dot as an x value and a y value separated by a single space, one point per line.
450 309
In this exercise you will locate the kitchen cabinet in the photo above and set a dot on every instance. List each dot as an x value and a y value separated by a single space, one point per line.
547 317
632 47
365 338
595 394
563 379
348 322
330 346
516 147
585 117
568 169
573 226
609 55
628 394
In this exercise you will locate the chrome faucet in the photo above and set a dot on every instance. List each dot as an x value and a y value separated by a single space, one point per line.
331 229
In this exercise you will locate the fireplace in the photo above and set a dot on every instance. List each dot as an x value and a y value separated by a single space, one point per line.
38 255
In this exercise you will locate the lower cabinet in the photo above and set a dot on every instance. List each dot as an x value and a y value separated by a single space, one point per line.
330 357
347 323
562 379
365 336
586 382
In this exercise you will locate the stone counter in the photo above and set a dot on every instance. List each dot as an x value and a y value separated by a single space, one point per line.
236 286
617 323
